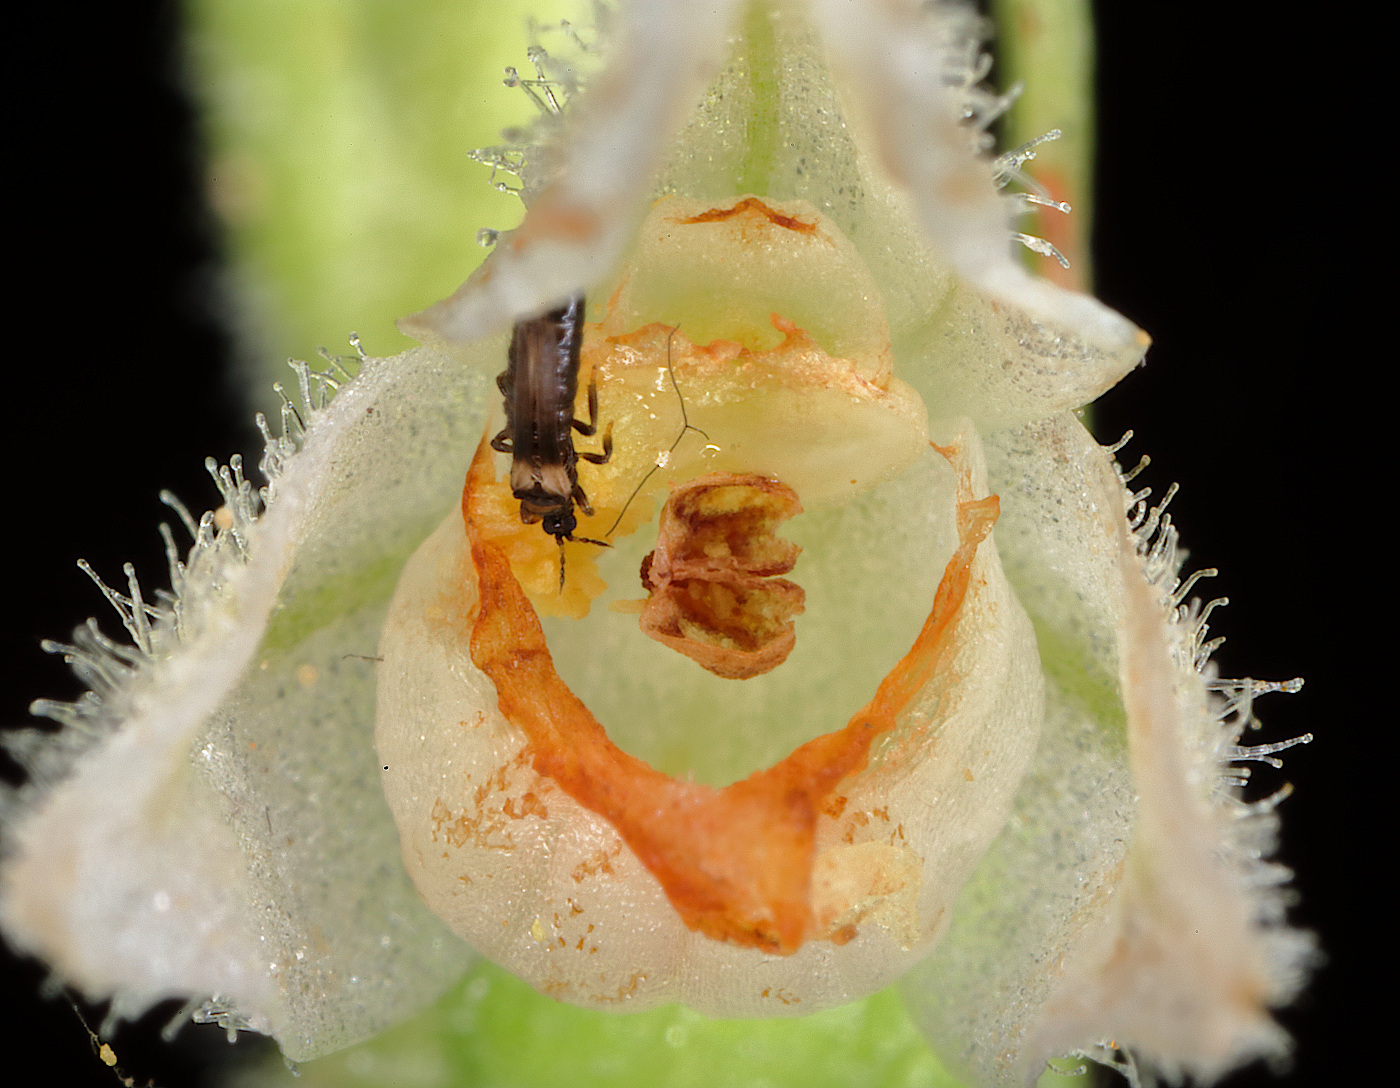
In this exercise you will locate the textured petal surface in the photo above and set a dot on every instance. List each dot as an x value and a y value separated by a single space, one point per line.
1060 857
584 219
892 54
550 890
1187 960
777 122
267 871
1126 884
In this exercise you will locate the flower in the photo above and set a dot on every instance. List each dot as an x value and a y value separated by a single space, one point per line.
1093 864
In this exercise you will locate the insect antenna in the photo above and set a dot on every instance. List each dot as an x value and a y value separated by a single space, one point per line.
576 540
661 459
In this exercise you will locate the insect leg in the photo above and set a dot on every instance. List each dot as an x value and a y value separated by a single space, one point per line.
591 427
581 499
606 455
502 443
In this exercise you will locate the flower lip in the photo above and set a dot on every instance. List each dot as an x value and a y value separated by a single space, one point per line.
736 864
527 797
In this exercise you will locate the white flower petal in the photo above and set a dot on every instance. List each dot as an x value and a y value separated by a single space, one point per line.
775 122
581 223
1187 960
128 881
1116 904
899 63
267 873
1061 853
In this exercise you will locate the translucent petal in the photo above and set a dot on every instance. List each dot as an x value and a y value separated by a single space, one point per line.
1185 963
128 881
549 889
1119 903
269 869
580 224
1119 892
776 122
897 63
1061 854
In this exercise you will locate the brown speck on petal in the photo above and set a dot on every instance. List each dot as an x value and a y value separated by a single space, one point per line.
713 594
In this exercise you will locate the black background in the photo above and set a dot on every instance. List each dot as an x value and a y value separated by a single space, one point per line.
1228 190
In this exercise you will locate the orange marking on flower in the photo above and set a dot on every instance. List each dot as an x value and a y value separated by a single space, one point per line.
600 861
751 205
736 864
529 805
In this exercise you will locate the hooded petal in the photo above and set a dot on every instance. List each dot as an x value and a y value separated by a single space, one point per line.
900 63
775 121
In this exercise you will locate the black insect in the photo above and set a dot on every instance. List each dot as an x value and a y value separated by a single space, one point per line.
540 384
